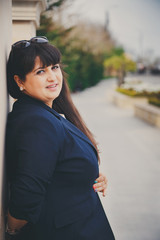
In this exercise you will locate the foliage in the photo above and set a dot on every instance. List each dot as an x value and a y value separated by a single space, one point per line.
119 64
118 51
154 101
133 93
83 65
129 92
84 69
115 51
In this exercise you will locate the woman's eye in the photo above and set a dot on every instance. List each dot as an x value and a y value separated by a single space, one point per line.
55 67
40 71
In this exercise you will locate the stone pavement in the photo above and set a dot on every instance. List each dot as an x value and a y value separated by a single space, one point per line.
130 158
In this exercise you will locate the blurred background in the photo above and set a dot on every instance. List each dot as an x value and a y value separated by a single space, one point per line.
111 54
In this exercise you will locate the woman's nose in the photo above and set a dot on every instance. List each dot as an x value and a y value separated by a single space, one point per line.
51 76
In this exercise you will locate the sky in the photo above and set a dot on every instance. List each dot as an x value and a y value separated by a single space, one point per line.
133 23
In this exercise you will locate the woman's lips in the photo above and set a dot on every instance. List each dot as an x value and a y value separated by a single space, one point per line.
52 86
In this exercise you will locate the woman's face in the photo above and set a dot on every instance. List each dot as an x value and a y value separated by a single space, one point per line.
44 84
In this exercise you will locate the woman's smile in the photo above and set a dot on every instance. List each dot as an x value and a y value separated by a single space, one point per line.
52 87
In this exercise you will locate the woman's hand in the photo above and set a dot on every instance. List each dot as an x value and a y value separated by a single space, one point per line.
14 228
101 184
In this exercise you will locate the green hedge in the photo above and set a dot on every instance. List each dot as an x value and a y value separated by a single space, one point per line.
84 69
154 101
133 93
129 92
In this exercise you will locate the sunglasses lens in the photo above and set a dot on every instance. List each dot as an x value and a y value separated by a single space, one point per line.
27 44
21 44
39 39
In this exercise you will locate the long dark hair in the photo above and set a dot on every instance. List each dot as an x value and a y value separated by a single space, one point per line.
22 60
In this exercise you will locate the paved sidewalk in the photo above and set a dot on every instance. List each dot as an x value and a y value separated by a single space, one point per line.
131 160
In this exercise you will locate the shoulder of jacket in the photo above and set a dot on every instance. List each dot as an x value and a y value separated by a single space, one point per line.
31 111
35 118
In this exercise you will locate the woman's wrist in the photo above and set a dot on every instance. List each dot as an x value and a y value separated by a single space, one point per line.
12 232
14 224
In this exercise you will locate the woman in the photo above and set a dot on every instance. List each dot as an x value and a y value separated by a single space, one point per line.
52 161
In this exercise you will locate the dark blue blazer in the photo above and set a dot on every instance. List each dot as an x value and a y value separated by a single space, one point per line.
52 166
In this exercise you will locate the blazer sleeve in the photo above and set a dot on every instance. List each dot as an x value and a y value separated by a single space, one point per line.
38 146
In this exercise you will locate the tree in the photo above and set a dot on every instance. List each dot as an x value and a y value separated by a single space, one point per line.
120 65
82 56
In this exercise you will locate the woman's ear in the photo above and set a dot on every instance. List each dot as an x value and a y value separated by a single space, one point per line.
19 82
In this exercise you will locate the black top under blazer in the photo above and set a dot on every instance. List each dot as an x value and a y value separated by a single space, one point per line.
52 166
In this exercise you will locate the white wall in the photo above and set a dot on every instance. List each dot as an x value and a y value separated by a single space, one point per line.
5 42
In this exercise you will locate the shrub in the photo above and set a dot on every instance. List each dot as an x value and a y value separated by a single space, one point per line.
129 92
133 93
154 101
84 69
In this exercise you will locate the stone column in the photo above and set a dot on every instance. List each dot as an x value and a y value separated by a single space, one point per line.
26 16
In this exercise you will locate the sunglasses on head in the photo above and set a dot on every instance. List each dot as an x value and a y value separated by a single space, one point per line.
27 43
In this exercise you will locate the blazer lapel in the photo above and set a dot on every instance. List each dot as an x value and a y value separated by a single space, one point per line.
72 128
